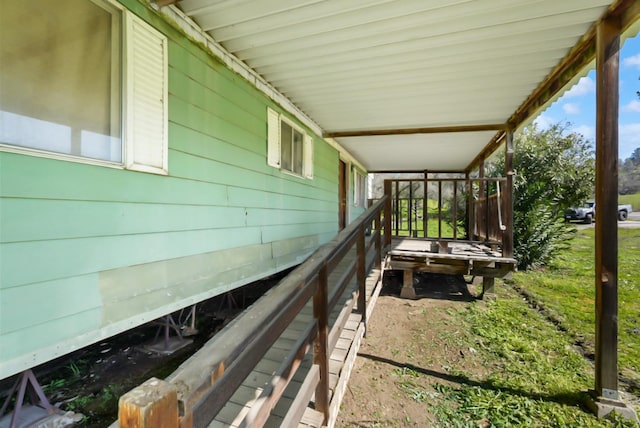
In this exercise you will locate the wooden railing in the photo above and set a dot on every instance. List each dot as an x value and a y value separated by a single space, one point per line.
194 394
450 209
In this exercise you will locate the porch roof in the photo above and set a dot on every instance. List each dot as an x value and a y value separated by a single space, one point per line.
440 80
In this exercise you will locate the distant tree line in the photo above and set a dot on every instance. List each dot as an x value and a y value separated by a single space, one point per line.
629 174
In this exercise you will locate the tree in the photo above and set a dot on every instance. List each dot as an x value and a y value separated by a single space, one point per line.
553 171
629 174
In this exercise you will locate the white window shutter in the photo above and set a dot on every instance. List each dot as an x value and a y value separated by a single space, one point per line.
273 138
146 98
308 156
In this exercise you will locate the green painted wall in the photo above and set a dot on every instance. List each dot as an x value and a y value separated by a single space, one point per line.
89 251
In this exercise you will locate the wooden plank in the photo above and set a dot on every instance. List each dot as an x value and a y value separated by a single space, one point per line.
444 269
341 385
298 407
321 346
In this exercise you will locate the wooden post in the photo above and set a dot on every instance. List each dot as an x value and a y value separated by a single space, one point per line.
425 205
606 228
397 209
507 236
377 226
455 209
470 207
408 291
439 209
481 194
387 213
410 208
362 277
154 404
320 346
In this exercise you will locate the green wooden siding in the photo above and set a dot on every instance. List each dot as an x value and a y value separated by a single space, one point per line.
89 251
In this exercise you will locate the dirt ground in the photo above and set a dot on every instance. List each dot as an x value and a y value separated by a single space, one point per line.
394 347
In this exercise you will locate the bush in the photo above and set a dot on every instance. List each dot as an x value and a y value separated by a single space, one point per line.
553 171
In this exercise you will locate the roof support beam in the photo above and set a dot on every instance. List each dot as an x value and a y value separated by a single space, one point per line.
407 131
488 150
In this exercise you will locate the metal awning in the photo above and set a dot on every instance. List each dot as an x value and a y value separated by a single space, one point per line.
412 68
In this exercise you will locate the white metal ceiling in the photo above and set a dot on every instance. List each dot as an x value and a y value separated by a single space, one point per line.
381 64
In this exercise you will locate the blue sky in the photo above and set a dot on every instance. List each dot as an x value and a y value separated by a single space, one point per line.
578 105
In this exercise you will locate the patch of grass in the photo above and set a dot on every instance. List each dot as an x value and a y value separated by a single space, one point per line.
536 378
634 200
567 289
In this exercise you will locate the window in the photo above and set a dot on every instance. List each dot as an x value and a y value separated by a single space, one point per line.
359 189
289 147
84 81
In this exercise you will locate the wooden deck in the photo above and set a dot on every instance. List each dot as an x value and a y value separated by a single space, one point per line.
296 407
447 257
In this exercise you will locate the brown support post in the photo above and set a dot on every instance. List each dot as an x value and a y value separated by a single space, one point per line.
362 277
320 345
507 236
455 210
387 213
410 208
486 210
606 251
377 226
481 194
425 205
396 208
439 209
152 404
470 216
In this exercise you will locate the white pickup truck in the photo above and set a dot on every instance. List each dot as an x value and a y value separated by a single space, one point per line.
587 213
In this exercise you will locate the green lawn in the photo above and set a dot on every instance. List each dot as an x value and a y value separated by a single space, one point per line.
534 374
567 289
634 200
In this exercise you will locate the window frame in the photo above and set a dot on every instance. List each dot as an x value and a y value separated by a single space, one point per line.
359 188
274 145
120 70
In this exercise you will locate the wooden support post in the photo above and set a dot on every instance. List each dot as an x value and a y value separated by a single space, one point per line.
607 55
410 208
397 209
154 404
377 225
455 210
387 213
320 346
507 236
439 209
470 216
488 290
425 205
606 396
362 277
408 292
482 186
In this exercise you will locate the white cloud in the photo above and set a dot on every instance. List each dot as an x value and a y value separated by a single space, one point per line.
584 86
632 61
588 132
633 106
571 108
544 122
628 139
